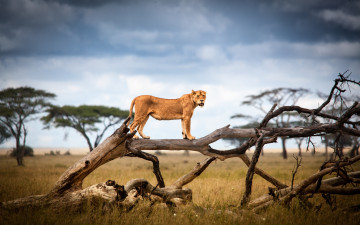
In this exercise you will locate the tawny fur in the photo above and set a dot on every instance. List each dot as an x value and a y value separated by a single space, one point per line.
166 109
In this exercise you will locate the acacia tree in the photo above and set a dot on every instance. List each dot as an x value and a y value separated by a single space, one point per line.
17 107
280 97
85 119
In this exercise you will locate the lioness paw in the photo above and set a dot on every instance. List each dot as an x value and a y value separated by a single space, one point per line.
191 137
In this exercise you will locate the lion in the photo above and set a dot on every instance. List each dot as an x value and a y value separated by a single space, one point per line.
166 109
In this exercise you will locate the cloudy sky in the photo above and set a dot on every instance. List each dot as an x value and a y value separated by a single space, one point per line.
106 52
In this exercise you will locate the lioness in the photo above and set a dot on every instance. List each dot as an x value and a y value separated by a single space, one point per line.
166 109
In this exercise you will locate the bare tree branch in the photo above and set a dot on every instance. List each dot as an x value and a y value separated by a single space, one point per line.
187 178
262 173
298 164
250 172
268 199
156 167
312 179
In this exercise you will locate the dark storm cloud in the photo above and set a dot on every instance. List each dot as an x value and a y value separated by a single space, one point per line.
33 27
27 25
287 20
336 18
346 16
304 5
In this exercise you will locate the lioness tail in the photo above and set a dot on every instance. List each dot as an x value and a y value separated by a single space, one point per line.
130 111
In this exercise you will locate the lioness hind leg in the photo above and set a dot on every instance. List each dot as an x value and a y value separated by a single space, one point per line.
141 127
133 126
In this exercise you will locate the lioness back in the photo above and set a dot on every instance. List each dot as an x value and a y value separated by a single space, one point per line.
159 108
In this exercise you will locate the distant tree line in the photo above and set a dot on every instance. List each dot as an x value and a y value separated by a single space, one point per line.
18 106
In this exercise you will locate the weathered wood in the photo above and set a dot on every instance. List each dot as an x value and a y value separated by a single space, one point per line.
156 164
313 178
195 172
327 186
201 145
165 193
250 172
263 174
331 182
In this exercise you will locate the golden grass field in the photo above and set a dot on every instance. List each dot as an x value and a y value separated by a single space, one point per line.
219 189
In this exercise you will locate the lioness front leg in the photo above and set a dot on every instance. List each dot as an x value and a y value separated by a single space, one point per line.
183 129
187 122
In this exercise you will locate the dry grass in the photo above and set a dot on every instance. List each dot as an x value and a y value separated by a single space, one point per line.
219 189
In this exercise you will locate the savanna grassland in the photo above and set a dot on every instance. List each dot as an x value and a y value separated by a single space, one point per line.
216 193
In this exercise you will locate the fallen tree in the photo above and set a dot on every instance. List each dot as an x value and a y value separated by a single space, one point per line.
68 190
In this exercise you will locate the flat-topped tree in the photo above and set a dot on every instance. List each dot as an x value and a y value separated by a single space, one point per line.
85 119
17 107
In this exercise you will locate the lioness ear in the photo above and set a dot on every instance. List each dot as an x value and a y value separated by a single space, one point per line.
193 92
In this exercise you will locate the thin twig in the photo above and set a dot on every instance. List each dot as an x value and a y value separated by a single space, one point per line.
294 171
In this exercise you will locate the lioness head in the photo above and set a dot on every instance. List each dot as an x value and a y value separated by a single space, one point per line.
199 97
